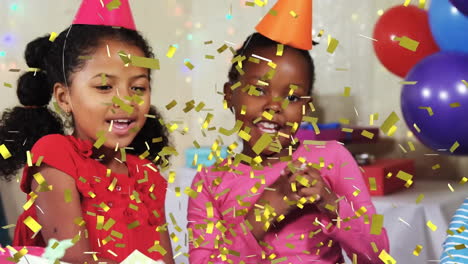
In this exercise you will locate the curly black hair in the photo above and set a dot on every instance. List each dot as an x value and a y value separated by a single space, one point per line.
21 127
257 41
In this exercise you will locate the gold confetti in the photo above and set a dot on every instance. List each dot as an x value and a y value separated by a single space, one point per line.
279 50
189 65
408 82
171 51
420 198
454 146
417 128
431 226
405 177
7 85
391 120
53 36
386 258
417 250
332 44
170 105
262 143
454 105
347 91
32 224
372 184
209 57
4 151
222 48
144 62
126 107
422 4
463 181
407 43
293 14
367 134
460 246
377 224
133 224
67 195
429 110
114 4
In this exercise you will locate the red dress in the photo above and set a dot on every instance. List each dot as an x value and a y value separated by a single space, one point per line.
119 220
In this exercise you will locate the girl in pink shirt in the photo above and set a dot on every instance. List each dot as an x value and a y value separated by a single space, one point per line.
279 201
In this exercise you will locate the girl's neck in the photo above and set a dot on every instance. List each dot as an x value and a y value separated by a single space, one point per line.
108 157
268 157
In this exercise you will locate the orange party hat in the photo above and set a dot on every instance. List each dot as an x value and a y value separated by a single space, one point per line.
289 22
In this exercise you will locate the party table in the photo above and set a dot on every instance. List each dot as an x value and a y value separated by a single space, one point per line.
406 220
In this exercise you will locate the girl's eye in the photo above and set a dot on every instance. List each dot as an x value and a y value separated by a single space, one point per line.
139 89
104 87
260 90
293 98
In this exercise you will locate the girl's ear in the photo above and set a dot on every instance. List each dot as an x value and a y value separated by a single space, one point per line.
62 96
228 94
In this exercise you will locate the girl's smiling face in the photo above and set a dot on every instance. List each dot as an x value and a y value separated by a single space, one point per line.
290 82
106 96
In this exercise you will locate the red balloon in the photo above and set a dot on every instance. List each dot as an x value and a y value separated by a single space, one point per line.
400 21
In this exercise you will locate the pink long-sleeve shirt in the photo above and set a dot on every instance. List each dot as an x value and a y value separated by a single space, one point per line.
220 200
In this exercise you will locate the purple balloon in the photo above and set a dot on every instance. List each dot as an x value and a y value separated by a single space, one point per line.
439 86
461 5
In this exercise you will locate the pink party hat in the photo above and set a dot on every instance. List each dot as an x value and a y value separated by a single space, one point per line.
116 13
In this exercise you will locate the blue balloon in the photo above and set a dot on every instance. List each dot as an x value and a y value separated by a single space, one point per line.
449 26
461 5
440 87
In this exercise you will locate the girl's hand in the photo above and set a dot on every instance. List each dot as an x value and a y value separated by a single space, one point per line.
311 185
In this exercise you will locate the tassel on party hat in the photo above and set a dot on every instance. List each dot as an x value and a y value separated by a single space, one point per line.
289 22
116 13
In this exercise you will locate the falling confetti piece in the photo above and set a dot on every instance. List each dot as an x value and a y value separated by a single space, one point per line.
189 65
420 198
386 258
391 120
7 85
333 43
454 146
377 224
4 151
429 110
417 250
53 36
32 224
408 82
144 62
171 51
347 91
114 4
407 43
431 226
454 105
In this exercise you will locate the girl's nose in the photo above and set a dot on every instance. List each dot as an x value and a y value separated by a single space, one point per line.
273 104
125 95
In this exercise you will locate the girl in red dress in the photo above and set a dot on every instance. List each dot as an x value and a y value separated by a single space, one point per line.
99 186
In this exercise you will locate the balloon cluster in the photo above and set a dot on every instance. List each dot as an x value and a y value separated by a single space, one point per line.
430 50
